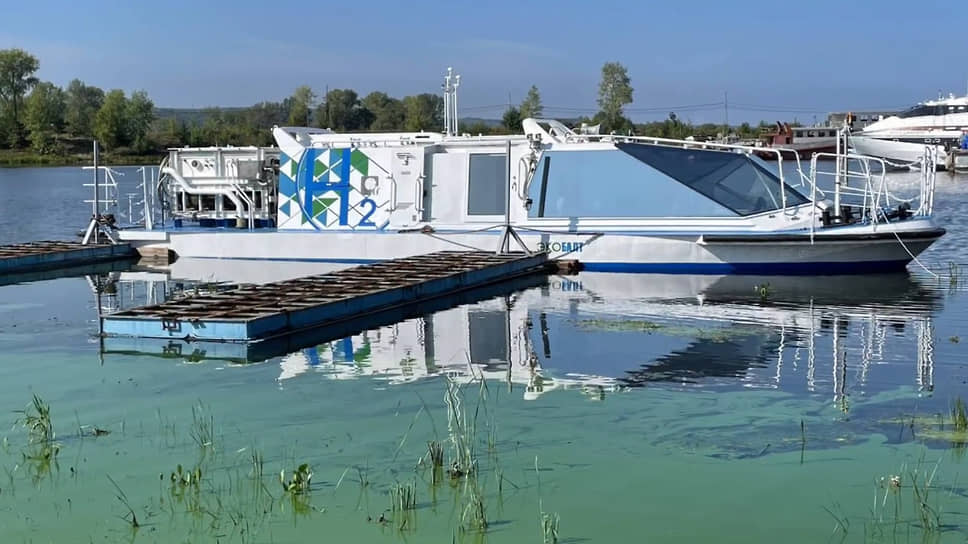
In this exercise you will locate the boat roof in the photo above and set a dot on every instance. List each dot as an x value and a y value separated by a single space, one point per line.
950 100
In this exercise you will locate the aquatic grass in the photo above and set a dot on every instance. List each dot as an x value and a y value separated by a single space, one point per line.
549 528
203 428
959 416
763 290
36 419
547 522
842 524
803 440
927 509
474 513
182 479
461 432
435 453
131 517
403 497
299 482
257 464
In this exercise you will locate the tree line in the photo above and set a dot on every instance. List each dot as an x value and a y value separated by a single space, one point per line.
47 119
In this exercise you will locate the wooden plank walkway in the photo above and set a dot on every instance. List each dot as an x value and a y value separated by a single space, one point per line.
48 255
257 312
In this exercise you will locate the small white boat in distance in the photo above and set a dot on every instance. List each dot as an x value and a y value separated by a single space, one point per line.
614 203
900 139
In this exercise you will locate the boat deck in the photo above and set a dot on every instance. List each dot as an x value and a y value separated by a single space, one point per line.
255 312
48 255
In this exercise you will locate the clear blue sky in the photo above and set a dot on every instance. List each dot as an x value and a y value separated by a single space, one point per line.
799 56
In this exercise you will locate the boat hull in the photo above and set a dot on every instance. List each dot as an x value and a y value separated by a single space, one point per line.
897 152
843 250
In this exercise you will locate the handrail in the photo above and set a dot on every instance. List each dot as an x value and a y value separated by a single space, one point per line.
874 187
194 190
250 204
393 194
418 196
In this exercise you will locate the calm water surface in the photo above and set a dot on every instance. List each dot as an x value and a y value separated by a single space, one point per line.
630 407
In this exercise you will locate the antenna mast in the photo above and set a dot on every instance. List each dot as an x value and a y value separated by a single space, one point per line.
451 83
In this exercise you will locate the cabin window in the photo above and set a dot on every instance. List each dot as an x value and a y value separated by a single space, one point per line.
487 184
604 183
734 180
921 110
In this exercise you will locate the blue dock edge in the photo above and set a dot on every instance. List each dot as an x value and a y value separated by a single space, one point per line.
288 320
64 256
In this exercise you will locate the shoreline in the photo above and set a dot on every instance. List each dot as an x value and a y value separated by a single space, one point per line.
18 158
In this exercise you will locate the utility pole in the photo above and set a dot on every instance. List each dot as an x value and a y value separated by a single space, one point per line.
726 114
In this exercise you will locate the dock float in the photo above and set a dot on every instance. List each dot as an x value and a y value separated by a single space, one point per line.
50 255
258 312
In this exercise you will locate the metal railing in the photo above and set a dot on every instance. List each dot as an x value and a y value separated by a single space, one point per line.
867 193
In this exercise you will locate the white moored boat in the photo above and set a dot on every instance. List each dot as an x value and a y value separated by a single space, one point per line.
901 138
614 203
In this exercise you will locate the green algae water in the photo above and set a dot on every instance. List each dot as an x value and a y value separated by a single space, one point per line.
585 408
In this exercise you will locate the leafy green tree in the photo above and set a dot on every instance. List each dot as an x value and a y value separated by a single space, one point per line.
423 112
111 121
512 119
531 105
44 116
17 68
83 102
300 106
139 114
172 132
388 112
342 111
614 93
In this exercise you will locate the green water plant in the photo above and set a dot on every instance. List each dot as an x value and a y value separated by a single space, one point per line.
203 428
130 517
182 479
549 528
36 419
460 431
436 453
298 484
763 290
403 497
959 416
474 514
258 464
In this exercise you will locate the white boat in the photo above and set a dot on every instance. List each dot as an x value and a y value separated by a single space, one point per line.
615 203
901 138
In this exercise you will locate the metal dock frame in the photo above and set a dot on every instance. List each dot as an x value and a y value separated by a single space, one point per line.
49 255
251 313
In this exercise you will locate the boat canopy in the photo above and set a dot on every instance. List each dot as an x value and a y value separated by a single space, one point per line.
643 180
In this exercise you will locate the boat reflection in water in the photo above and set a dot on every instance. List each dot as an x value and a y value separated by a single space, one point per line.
605 332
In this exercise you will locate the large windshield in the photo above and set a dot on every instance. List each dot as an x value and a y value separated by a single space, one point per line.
731 179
